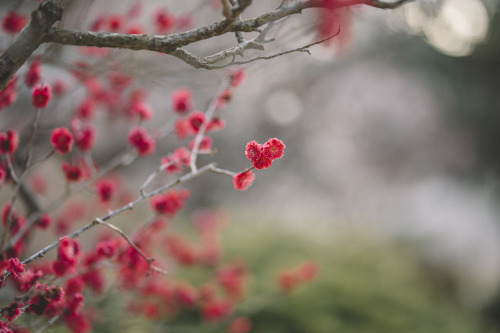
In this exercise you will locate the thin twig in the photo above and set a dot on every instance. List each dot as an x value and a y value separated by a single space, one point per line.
154 174
87 158
141 253
299 49
238 34
201 131
42 159
196 62
385 4
227 11
49 323
147 222
223 172
10 165
32 139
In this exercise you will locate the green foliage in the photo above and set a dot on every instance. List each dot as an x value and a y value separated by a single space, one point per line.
364 286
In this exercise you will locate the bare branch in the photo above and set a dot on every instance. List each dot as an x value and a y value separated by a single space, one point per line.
385 4
49 323
243 4
29 199
227 11
153 175
10 166
206 62
296 7
28 39
304 48
163 44
42 159
32 139
167 44
223 172
39 31
238 34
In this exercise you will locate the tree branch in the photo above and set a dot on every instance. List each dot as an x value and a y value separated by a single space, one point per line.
223 172
240 8
163 44
49 323
296 7
227 10
129 206
29 39
386 5
209 62
39 30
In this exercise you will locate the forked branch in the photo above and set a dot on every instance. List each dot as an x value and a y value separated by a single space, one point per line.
39 30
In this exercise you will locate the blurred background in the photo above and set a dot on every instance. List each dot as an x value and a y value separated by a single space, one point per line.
390 178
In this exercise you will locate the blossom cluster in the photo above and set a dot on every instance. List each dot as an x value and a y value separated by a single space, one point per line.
82 271
262 157
155 297
169 203
215 300
59 287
